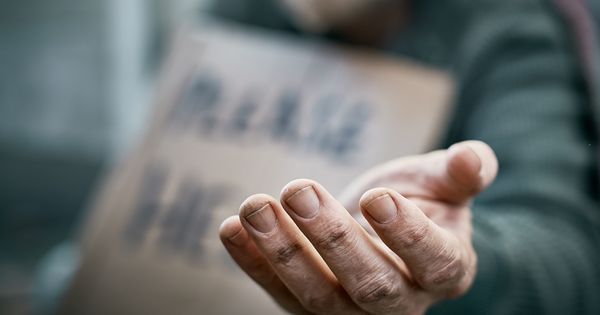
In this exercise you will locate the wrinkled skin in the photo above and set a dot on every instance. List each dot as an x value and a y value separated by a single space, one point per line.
396 242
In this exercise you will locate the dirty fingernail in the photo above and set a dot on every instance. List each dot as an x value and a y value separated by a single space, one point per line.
382 209
263 219
304 202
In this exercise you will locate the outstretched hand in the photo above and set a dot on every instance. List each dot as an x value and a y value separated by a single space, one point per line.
312 256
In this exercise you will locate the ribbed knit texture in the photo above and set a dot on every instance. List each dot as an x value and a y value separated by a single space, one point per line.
520 89
537 227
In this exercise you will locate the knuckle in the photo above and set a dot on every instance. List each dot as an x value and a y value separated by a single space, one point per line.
448 275
413 236
384 289
338 236
284 254
317 303
259 271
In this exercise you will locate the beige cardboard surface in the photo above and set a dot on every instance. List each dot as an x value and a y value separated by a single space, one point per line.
240 111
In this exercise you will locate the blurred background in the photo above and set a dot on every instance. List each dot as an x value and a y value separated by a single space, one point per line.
76 77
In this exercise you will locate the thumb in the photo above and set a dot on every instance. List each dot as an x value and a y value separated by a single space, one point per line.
470 167
455 175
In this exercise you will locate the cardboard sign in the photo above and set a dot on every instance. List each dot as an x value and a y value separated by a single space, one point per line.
240 111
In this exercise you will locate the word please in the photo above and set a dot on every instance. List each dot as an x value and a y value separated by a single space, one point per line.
326 124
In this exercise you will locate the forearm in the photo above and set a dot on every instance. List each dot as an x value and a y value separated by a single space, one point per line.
531 263
536 228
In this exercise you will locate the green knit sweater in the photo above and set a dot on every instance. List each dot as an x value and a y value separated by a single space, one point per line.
521 90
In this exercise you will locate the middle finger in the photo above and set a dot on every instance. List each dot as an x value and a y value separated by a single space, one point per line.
371 277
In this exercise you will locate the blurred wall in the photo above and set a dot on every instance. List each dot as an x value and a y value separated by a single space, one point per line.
75 86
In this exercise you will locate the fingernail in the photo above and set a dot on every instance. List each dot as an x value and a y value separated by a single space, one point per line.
237 238
304 202
479 162
263 219
234 235
382 209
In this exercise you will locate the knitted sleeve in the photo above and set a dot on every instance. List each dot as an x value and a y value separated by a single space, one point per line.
536 230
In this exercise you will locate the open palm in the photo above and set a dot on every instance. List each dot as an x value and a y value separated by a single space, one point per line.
313 256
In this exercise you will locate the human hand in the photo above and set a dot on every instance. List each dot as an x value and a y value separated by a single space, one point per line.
312 256
320 15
